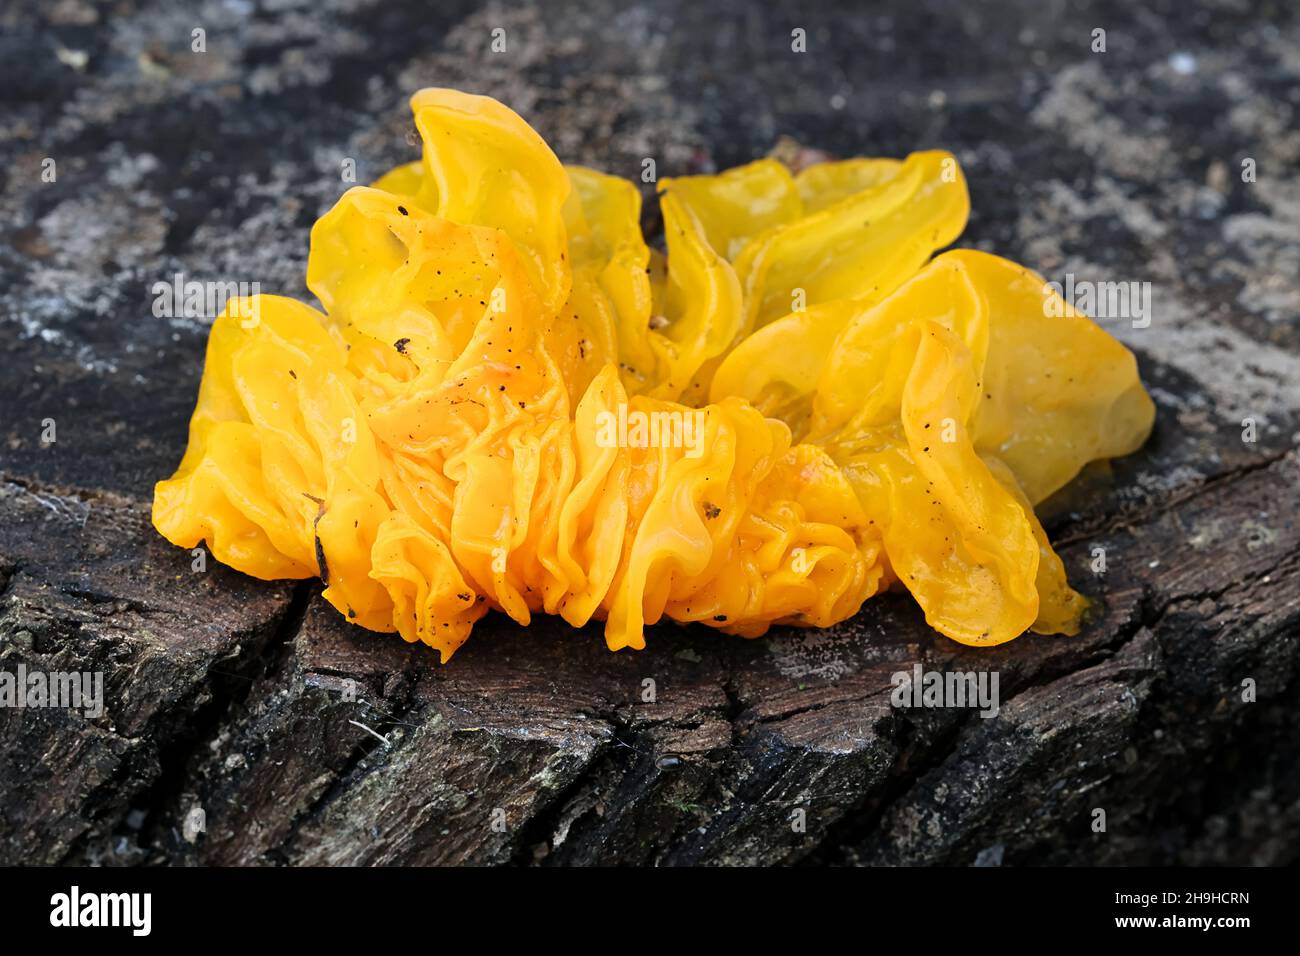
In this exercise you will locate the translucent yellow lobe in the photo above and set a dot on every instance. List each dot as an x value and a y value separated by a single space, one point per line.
511 402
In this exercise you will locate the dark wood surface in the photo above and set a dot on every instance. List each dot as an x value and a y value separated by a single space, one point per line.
257 704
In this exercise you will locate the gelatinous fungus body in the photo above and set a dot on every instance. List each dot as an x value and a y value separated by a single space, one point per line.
511 402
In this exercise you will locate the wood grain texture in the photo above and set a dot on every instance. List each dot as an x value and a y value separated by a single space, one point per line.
304 740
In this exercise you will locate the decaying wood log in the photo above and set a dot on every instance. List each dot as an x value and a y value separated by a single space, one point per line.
247 723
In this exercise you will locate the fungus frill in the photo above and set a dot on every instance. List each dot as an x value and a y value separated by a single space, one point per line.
850 410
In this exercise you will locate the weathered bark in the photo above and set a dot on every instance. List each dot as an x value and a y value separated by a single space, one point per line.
305 740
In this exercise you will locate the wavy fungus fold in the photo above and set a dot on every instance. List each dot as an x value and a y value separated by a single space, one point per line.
511 402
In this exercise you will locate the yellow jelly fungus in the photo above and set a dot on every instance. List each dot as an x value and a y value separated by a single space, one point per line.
511 402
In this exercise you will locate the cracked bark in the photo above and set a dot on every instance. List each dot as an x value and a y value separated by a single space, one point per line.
305 740
537 745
